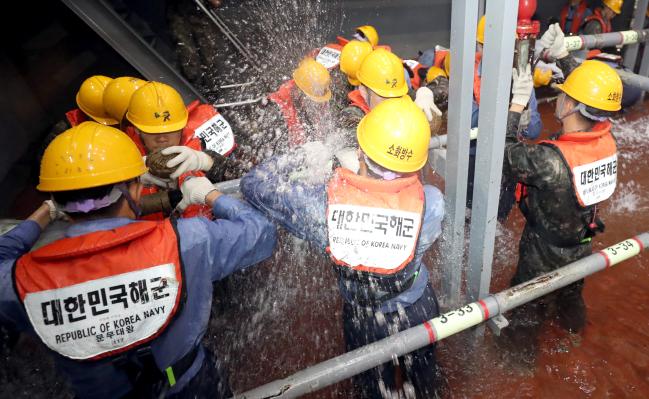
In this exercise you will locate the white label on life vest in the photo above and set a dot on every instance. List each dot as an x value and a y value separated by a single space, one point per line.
595 181
217 134
329 57
372 237
84 320
412 64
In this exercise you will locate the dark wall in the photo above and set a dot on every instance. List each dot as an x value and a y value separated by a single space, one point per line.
43 61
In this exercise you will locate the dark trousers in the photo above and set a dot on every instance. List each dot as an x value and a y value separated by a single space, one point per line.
364 325
210 382
537 257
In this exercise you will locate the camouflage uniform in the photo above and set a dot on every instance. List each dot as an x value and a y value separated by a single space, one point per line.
555 225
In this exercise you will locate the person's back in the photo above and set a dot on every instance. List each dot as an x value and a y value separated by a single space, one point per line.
124 304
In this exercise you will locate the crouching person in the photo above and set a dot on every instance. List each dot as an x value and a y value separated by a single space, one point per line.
123 304
375 225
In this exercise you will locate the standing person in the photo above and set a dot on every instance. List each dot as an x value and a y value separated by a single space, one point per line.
600 21
123 304
160 120
573 15
564 181
376 225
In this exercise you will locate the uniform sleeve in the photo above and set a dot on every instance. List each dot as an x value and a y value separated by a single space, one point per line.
13 245
533 130
434 214
532 164
297 206
567 65
239 237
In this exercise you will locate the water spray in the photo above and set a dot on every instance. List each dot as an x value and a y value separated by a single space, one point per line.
362 359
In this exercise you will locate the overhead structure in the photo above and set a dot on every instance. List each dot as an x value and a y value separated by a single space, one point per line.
119 35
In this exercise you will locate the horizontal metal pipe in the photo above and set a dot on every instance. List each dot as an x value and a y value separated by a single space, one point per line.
634 80
583 42
237 103
440 141
362 359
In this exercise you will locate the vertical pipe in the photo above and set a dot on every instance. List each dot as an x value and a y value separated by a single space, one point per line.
496 71
637 23
463 30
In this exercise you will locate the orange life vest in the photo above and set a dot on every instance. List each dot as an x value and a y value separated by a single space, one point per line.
577 17
76 117
592 160
597 16
477 78
373 225
328 56
102 293
440 54
205 123
188 139
282 97
414 67
356 99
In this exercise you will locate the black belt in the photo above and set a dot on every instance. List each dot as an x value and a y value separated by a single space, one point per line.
379 289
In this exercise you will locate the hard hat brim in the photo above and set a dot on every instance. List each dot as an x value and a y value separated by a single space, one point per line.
168 128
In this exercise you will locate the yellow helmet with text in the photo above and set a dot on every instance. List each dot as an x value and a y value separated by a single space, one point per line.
383 73
594 84
157 108
395 135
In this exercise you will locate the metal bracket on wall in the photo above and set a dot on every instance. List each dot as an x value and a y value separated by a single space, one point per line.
119 35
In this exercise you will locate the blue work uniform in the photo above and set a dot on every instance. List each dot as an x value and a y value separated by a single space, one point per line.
301 208
209 250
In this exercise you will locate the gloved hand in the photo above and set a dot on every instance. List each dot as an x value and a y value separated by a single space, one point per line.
194 191
150 180
522 86
188 159
56 214
554 41
425 99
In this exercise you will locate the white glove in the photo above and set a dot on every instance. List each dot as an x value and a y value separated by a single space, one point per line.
194 191
425 99
55 214
554 40
348 158
188 159
522 86
149 180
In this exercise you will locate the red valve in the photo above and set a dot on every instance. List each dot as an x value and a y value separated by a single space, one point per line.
526 27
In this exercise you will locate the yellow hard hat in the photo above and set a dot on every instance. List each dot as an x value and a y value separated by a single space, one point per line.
313 79
447 64
615 5
542 77
595 84
369 33
479 35
383 72
89 155
157 108
118 94
395 135
434 72
351 58
90 99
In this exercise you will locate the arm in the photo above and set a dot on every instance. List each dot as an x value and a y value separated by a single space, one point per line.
238 238
297 206
592 28
533 130
431 227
